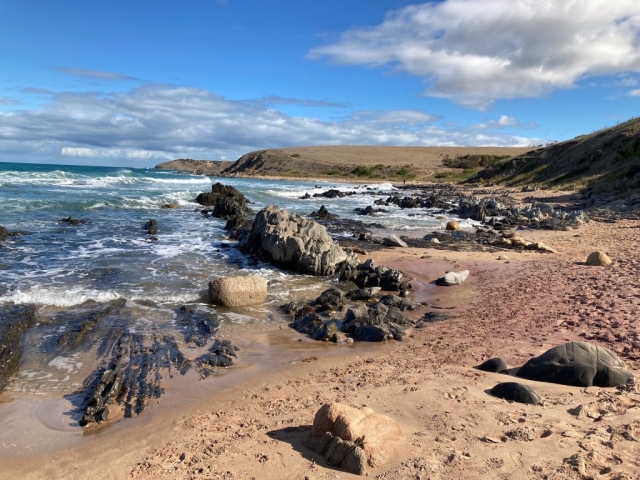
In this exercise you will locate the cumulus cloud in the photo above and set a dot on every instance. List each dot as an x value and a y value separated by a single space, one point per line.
163 121
476 51
635 93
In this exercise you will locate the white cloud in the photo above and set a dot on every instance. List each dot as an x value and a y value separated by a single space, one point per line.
95 74
476 51
635 93
159 121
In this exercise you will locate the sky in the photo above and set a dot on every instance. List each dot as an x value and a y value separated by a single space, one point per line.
122 83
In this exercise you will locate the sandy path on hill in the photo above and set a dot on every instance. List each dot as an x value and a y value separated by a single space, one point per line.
452 428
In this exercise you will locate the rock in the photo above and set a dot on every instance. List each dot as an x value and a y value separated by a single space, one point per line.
4 233
219 355
453 278
363 293
515 392
316 327
290 241
503 257
366 274
394 241
329 300
399 302
72 221
353 438
170 205
453 225
238 291
226 200
433 240
375 323
323 214
579 364
369 210
16 320
598 259
493 365
151 227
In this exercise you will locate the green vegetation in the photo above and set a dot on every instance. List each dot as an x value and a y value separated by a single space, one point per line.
456 176
370 172
629 153
473 161
295 155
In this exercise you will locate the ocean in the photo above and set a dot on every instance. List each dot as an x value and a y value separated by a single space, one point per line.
66 270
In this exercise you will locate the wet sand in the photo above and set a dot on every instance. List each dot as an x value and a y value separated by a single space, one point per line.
250 421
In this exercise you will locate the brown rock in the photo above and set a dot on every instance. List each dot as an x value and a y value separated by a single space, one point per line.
598 259
238 291
453 225
364 437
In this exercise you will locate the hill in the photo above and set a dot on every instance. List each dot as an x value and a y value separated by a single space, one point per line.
367 162
605 161
201 167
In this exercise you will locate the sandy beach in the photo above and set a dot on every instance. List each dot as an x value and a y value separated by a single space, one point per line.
254 425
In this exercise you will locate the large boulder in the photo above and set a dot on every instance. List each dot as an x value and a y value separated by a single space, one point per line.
353 438
226 201
453 278
515 392
598 259
579 364
290 241
238 291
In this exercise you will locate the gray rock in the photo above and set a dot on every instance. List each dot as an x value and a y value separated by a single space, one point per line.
515 392
579 364
394 241
238 291
493 365
453 278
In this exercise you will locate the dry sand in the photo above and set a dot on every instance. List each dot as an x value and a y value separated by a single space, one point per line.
452 428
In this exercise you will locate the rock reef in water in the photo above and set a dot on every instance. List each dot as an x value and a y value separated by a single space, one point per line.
226 201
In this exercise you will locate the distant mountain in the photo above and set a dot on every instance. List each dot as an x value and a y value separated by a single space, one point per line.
605 161
203 167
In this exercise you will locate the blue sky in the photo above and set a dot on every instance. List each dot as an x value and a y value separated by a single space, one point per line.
136 83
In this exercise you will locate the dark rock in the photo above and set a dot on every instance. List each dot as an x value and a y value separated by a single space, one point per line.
329 300
72 221
323 214
375 322
333 193
432 317
363 293
226 200
579 364
289 308
367 274
316 327
494 365
151 227
197 326
219 355
399 302
4 233
369 210
15 323
75 335
515 392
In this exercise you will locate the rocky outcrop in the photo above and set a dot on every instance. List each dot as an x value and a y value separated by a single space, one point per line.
15 322
238 291
323 214
367 274
579 364
295 243
515 392
219 355
453 278
72 221
375 322
353 438
226 201
151 227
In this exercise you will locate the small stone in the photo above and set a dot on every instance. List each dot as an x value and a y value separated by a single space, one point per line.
452 225
598 259
503 257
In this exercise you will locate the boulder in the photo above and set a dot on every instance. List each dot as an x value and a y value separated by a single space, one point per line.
151 227
515 392
578 364
72 221
453 278
394 241
353 438
367 274
363 293
453 225
401 303
226 200
598 259
323 214
4 233
316 327
494 365
296 243
238 291
375 322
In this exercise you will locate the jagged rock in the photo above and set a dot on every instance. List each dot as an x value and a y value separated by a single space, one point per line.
515 392
453 226
333 193
369 210
226 200
453 278
399 302
366 274
16 321
151 227
363 293
289 308
197 326
219 355
238 291
394 241
598 259
290 241
323 214
375 323
316 327
329 300
72 221
579 364
75 335
353 438
493 365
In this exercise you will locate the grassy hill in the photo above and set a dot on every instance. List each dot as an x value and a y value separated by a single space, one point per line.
605 161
